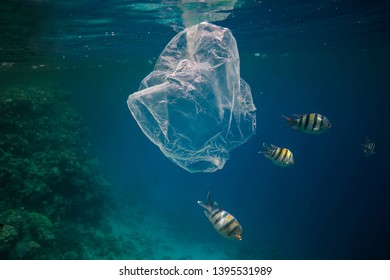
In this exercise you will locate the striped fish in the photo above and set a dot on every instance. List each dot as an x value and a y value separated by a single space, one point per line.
368 148
280 156
309 123
223 222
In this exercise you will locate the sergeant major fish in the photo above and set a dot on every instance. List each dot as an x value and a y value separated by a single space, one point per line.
222 221
309 123
368 148
280 156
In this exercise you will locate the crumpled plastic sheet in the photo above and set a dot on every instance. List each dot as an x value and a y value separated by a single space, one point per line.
194 106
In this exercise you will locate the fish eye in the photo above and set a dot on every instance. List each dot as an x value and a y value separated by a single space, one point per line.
238 237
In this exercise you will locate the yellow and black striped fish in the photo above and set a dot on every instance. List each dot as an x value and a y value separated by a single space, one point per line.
222 221
280 156
309 123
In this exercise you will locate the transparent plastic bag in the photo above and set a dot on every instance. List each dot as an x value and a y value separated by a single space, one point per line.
194 106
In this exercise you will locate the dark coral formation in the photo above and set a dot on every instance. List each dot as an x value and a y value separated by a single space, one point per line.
52 194
25 234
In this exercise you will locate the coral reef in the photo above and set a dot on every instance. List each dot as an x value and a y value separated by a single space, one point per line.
49 185
25 234
26 249
8 235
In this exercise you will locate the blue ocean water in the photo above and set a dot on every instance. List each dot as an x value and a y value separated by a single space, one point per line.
327 57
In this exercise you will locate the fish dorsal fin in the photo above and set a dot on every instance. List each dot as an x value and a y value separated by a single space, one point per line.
274 147
209 202
216 205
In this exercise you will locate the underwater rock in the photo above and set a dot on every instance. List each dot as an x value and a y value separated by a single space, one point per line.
194 106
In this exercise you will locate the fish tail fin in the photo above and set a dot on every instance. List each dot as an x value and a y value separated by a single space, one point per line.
265 150
207 205
290 121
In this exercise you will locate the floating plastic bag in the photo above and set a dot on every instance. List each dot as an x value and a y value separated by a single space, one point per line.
194 106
